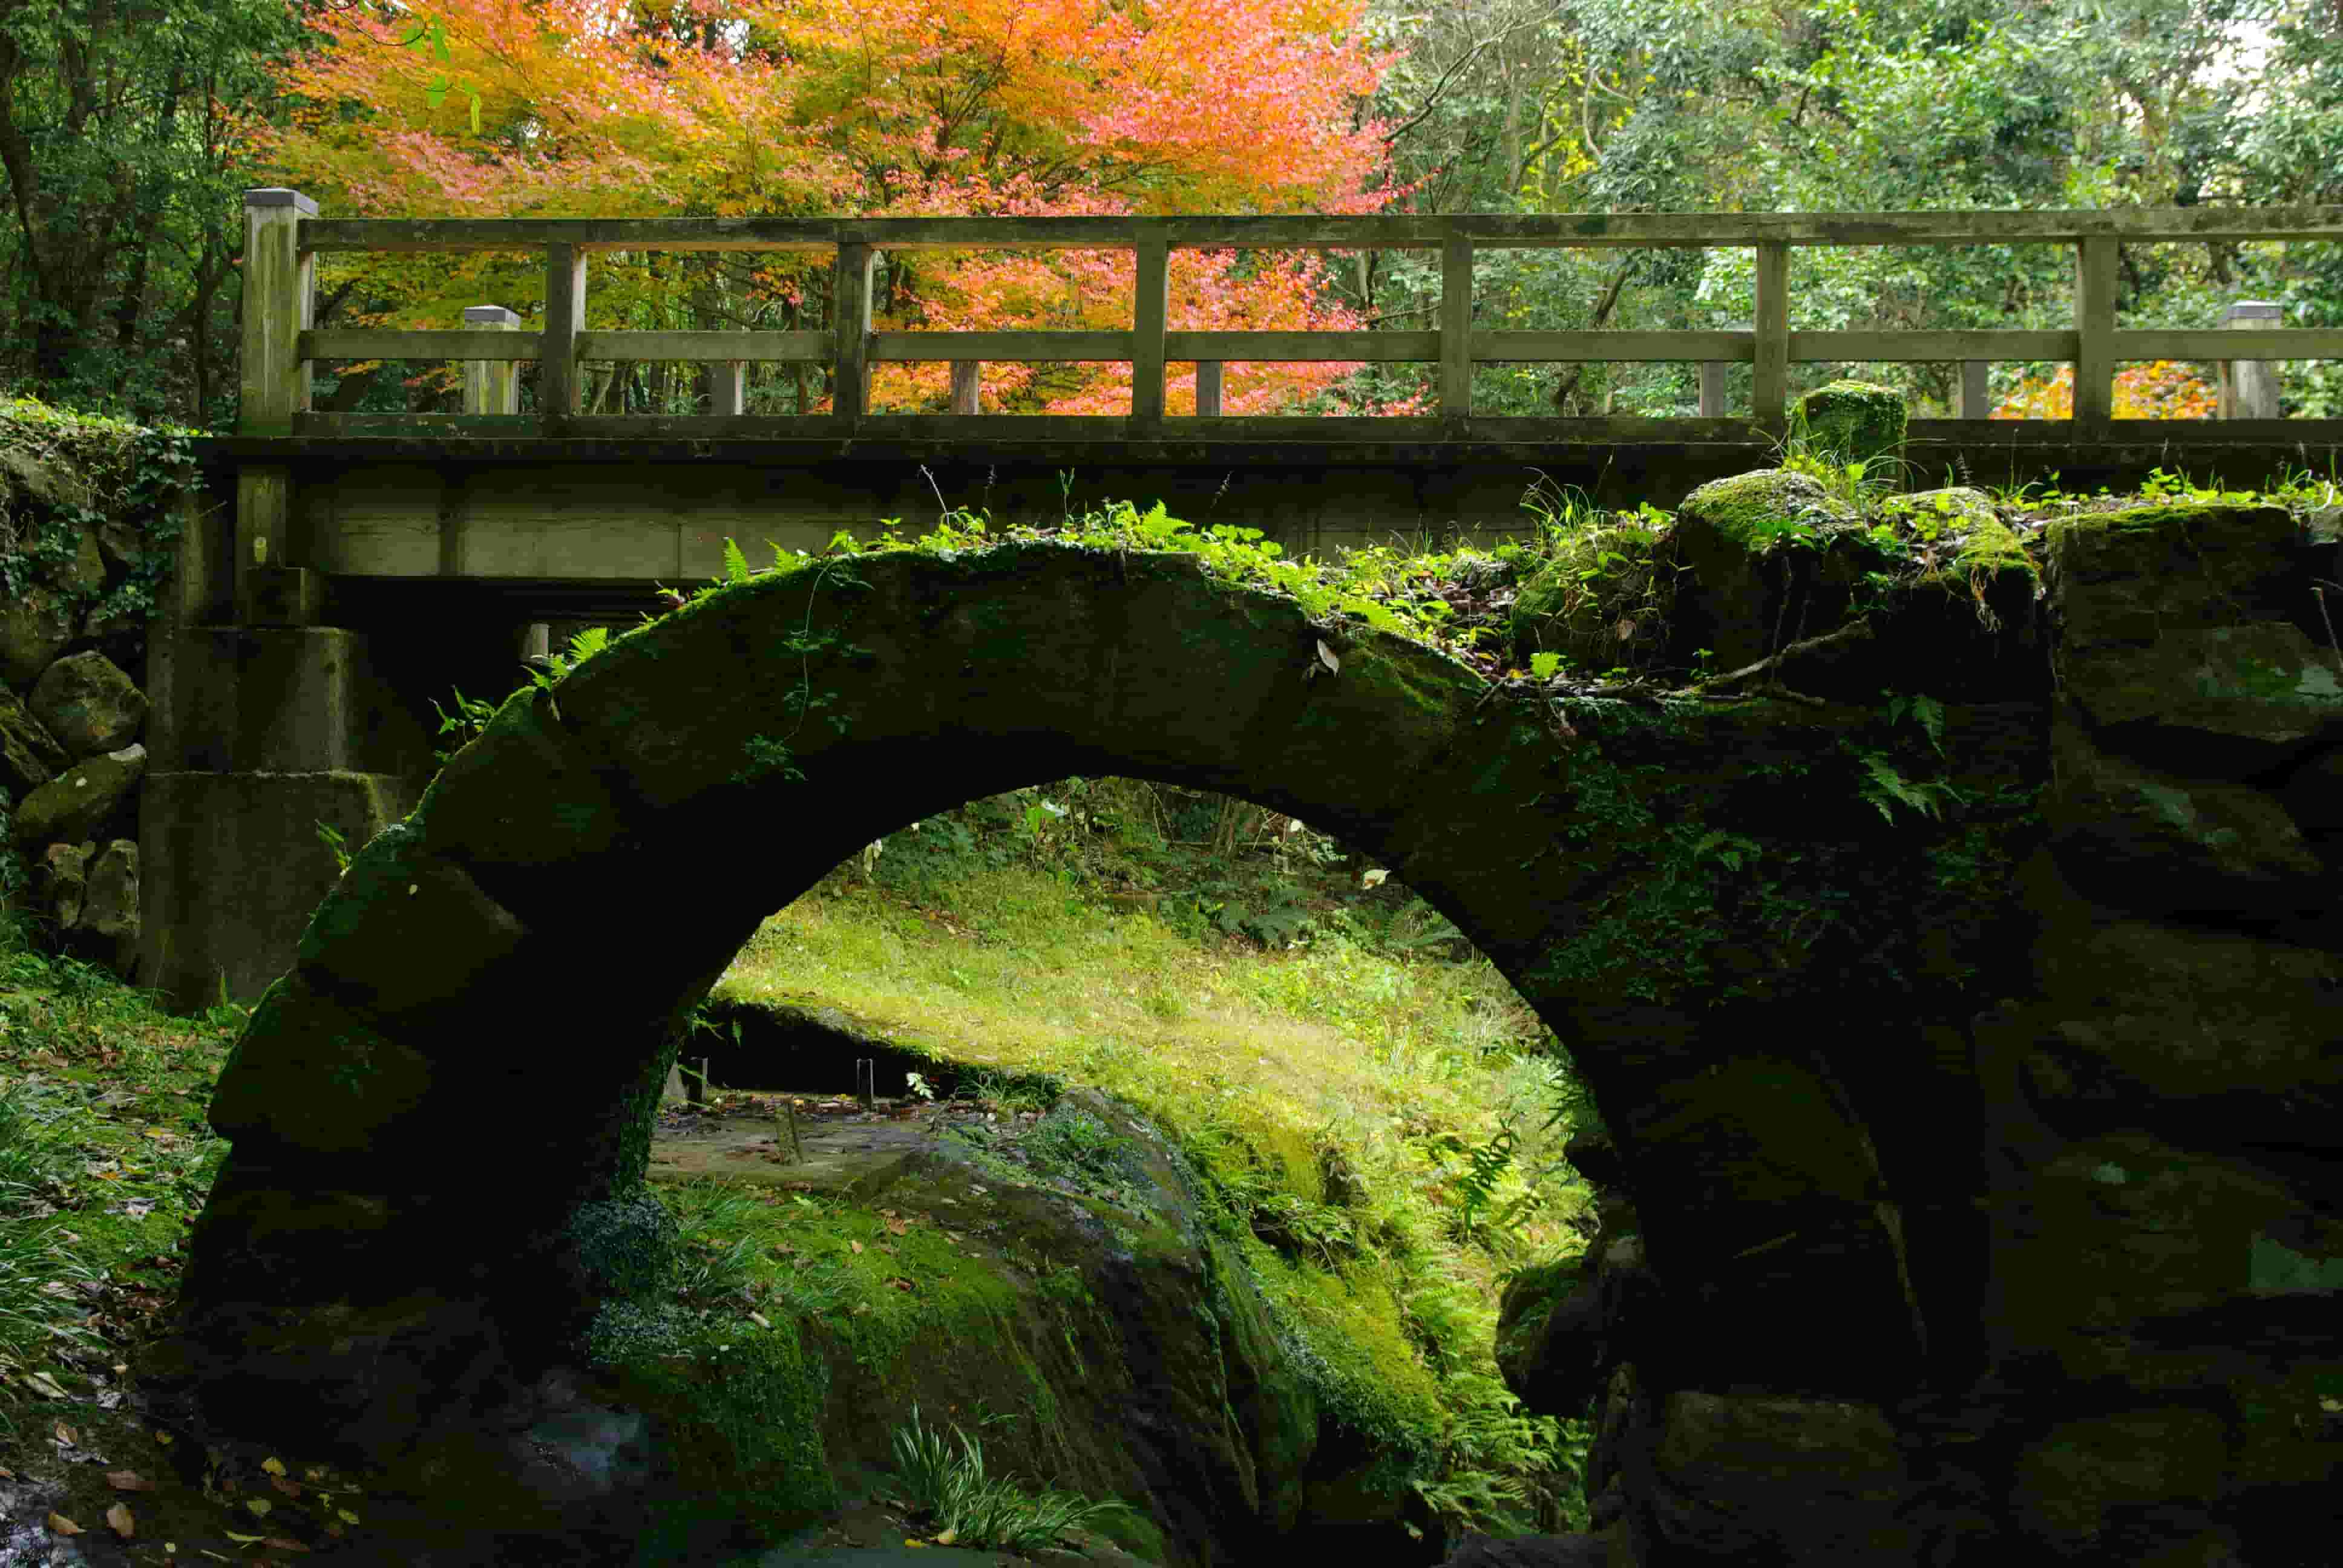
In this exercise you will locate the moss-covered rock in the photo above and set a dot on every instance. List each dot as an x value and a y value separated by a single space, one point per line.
1850 421
1755 542
75 803
1601 602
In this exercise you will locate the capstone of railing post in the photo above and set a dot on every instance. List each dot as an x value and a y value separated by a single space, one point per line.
968 378
279 293
557 343
2095 335
1769 383
490 385
2250 386
1457 334
1150 312
1976 396
728 387
850 310
1208 387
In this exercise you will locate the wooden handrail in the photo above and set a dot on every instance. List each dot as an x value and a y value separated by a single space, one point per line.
284 236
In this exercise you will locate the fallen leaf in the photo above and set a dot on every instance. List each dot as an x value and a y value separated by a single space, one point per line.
760 1319
239 1540
346 1516
947 1537
273 1465
282 1544
65 1435
259 1506
119 1517
163 1438
901 1284
857 1246
289 1487
1326 657
128 1481
898 1227
64 1526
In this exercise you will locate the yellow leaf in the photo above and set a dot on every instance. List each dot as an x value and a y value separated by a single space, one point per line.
273 1465
948 1537
908 1542
242 1539
346 1516
856 1245
119 1517
64 1526
259 1505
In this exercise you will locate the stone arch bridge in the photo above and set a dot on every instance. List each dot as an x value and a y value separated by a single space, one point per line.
1970 1188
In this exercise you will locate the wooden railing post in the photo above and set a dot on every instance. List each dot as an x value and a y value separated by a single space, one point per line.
2250 386
1151 310
490 385
850 311
1977 396
728 387
1712 384
272 385
1208 387
968 380
1455 333
279 293
1770 367
557 344
2094 336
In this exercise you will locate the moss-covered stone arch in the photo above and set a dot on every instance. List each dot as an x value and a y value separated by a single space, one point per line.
521 949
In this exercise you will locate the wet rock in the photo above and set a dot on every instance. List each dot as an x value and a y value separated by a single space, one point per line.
29 755
78 800
88 704
108 925
64 880
35 625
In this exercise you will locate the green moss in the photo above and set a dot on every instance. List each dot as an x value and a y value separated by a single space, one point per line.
1349 1336
1597 583
740 1410
1850 421
1764 509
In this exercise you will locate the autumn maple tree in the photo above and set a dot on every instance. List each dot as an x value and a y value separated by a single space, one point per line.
510 108
2164 389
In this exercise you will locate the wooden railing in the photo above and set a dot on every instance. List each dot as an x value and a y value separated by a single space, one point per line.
283 234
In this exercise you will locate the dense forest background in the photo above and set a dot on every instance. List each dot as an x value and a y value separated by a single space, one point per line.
129 127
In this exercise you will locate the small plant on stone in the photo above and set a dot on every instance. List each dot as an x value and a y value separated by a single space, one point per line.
969 1509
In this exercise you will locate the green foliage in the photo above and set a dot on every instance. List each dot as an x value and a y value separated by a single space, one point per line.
332 838
975 1512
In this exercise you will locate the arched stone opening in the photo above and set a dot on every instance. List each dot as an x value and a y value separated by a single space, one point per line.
577 877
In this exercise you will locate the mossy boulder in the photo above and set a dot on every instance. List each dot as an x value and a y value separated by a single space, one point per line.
1750 543
88 704
1850 421
74 804
35 625
1601 602
29 755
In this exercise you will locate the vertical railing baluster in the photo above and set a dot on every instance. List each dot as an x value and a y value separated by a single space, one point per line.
728 387
1151 310
1456 333
1976 398
849 321
490 385
2249 387
1770 368
967 380
1208 387
557 343
2094 334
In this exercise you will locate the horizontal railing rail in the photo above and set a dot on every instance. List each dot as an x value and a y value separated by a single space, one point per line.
284 236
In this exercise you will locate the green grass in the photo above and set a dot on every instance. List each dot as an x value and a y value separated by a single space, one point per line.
965 1507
